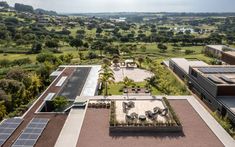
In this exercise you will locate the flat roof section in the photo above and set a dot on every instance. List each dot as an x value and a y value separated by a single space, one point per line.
229 101
184 64
231 53
90 86
75 83
195 131
71 129
217 47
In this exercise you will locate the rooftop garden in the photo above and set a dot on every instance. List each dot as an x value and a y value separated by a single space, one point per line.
160 119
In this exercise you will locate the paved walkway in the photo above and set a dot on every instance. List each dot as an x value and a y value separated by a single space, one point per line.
72 127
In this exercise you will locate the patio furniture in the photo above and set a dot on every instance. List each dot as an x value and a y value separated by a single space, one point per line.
134 115
142 117
149 114
130 104
156 109
164 112
146 91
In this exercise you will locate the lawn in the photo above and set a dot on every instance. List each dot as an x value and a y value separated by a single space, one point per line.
116 88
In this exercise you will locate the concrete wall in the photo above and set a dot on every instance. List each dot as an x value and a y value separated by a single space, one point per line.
177 70
204 83
227 58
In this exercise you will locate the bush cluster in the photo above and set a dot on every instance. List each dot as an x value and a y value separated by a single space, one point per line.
174 115
99 105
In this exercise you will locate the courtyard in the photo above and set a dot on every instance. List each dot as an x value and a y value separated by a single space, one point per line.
136 74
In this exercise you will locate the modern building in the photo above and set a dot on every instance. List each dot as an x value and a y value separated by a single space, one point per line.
214 84
180 66
228 57
86 121
216 87
214 50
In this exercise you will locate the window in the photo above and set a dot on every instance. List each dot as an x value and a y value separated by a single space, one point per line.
194 73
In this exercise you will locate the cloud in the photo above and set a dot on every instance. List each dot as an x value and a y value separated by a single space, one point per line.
131 5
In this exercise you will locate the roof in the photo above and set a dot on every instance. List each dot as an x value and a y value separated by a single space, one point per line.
185 64
218 74
217 47
229 101
231 53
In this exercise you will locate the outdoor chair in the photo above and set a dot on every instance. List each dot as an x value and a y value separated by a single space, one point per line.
134 115
149 114
130 104
130 117
164 112
156 109
146 91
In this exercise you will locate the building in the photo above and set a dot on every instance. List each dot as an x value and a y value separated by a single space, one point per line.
85 122
216 87
214 50
214 84
228 57
180 66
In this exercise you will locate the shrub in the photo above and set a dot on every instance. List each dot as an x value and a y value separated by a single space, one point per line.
174 115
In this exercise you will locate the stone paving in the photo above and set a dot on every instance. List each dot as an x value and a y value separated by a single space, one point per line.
136 74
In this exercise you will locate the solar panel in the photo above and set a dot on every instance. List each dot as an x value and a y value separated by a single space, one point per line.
214 79
7 127
226 79
31 133
208 70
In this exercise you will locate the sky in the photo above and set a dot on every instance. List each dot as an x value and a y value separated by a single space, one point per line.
84 6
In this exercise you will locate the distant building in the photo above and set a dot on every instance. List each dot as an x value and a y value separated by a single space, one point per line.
228 57
217 50
214 50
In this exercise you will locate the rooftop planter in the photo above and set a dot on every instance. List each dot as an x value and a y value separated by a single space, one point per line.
172 124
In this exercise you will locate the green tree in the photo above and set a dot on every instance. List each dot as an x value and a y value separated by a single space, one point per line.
162 47
140 60
3 111
59 103
128 82
116 61
76 43
106 77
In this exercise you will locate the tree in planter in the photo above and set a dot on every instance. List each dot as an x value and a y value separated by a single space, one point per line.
140 60
106 62
128 82
115 62
59 102
106 77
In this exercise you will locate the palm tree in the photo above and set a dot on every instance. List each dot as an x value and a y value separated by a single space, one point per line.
106 77
128 82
